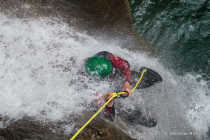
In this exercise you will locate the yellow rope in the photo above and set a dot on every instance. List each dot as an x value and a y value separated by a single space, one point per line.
138 82
114 94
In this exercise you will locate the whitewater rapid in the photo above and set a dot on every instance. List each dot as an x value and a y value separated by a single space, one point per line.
41 61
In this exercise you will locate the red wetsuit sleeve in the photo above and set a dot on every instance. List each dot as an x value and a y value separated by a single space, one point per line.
123 65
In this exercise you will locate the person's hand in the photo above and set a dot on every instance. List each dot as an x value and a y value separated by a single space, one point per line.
126 87
107 97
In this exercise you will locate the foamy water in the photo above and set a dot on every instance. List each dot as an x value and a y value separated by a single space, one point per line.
40 64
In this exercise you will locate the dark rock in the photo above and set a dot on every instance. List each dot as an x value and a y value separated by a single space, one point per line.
208 133
102 130
110 18
30 129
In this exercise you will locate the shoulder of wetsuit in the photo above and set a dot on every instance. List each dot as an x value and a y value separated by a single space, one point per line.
127 63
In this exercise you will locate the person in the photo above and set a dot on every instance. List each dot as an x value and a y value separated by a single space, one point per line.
104 64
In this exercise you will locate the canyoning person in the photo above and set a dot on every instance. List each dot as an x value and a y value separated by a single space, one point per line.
103 64
106 65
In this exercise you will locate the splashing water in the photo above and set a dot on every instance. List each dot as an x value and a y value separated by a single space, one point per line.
40 65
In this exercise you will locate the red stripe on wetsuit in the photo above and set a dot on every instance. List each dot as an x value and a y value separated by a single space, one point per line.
122 64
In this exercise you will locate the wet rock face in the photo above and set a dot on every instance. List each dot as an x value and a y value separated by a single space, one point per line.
110 14
101 130
114 17
110 18
30 129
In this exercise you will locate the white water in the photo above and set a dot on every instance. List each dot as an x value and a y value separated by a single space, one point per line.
39 61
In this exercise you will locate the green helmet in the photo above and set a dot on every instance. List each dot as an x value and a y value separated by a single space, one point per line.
98 66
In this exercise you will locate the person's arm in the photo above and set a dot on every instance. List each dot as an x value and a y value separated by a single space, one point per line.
126 88
123 65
